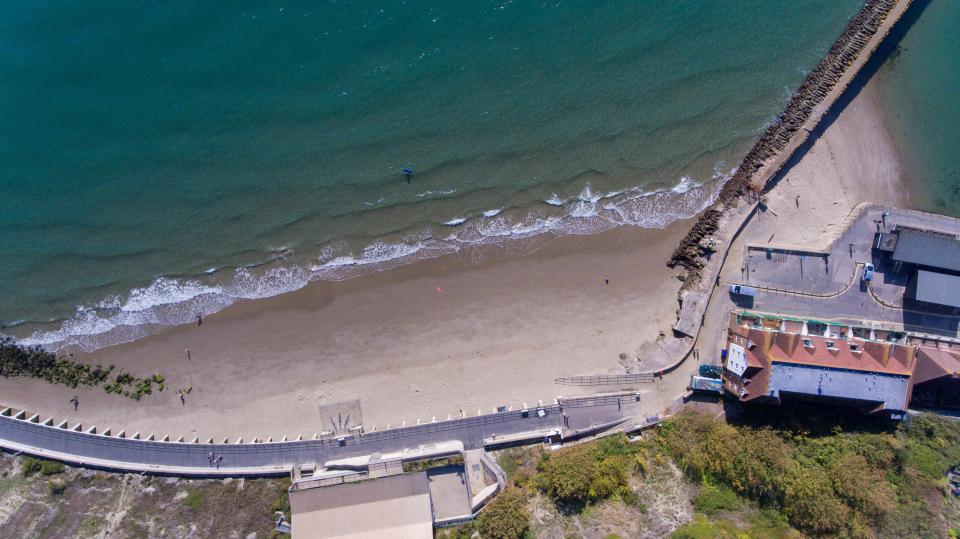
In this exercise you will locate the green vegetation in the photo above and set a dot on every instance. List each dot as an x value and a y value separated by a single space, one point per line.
51 467
713 499
35 362
506 517
587 473
194 499
867 478
30 466
57 487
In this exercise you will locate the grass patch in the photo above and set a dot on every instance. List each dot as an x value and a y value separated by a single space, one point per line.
194 499
713 499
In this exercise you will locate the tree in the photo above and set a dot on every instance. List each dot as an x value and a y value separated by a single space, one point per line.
506 517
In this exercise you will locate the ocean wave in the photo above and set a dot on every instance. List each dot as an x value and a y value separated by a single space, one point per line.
170 301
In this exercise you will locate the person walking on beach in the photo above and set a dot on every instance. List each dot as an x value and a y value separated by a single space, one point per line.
183 399
188 354
606 280
199 319
76 402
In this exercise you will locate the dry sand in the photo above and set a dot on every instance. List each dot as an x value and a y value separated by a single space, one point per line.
499 333
853 161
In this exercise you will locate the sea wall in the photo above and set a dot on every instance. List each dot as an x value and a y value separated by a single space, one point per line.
803 112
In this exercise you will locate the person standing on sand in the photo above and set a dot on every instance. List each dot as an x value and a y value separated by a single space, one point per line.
606 279
188 354
199 319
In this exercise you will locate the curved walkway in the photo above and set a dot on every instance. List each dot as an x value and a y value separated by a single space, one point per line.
569 417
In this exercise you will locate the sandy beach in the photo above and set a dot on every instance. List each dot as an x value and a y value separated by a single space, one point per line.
854 160
463 333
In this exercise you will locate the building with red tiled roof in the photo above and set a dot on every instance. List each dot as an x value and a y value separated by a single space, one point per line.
936 380
769 359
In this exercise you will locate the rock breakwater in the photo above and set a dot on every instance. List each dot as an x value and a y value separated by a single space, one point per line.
780 138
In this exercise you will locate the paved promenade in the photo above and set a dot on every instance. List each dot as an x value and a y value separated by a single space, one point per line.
571 418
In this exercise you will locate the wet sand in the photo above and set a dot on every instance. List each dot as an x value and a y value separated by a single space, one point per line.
508 321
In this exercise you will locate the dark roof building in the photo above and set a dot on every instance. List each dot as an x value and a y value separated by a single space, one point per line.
927 248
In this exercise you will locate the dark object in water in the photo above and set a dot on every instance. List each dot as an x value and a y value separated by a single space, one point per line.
408 173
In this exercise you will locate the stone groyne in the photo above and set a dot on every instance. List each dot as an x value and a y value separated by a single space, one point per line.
806 108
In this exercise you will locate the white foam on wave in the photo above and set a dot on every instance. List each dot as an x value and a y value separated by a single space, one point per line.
168 301
554 200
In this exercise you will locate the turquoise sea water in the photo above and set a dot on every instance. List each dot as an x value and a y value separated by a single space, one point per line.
920 92
163 159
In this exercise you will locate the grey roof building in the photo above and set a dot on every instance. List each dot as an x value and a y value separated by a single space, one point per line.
939 288
927 248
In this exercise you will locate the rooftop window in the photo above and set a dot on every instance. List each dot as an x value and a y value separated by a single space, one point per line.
807 343
831 345
855 348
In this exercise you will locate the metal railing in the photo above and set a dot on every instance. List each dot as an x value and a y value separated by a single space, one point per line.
606 379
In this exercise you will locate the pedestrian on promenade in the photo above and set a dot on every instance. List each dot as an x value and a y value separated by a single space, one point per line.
183 400
219 460
76 402
210 458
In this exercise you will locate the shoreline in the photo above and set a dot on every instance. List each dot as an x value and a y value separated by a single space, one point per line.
391 347
171 301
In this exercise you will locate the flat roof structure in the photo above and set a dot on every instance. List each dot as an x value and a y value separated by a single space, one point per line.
927 248
939 288
397 506
890 392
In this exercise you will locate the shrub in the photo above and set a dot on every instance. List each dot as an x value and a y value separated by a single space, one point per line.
506 517
57 487
30 465
567 475
51 467
811 504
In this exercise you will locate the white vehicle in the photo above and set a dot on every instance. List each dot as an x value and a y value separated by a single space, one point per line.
868 272
742 290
